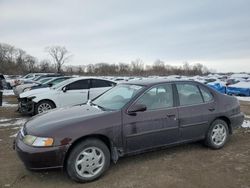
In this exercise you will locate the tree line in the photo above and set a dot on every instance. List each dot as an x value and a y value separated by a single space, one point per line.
15 61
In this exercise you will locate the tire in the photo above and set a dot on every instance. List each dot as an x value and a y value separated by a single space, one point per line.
217 134
78 154
46 103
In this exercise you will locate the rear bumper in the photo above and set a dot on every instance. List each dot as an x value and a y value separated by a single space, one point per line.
36 158
237 120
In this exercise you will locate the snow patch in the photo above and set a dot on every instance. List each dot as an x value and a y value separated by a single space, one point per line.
246 124
15 122
4 120
8 92
244 98
5 104
241 85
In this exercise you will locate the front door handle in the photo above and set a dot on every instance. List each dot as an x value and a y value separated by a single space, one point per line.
211 109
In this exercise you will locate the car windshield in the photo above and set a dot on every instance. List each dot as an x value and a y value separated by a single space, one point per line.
117 97
44 80
65 82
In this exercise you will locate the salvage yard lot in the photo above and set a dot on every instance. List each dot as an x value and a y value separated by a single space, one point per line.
190 165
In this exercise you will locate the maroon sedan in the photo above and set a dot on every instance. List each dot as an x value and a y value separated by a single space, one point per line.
130 118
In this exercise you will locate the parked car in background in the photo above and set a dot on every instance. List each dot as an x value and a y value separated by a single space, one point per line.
21 88
49 83
33 76
37 78
130 118
67 93
231 81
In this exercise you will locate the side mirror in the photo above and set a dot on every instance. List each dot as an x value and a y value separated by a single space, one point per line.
137 108
64 89
50 84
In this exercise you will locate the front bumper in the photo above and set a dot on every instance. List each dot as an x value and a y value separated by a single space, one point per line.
237 120
26 106
37 158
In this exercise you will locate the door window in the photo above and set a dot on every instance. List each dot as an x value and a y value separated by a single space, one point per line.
189 94
77 85
158 97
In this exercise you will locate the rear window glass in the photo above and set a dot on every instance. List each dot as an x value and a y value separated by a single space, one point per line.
101 83
189 94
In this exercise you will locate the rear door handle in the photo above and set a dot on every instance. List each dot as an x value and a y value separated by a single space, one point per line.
170 115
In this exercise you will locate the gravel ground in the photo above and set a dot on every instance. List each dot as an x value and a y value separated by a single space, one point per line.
190 165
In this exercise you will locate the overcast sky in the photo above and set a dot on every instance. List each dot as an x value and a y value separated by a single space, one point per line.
213 32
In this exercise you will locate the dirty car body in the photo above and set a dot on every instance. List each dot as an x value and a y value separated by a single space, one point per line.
150 119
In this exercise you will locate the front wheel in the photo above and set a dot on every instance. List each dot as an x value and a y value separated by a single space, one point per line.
44 106
88 160
217 134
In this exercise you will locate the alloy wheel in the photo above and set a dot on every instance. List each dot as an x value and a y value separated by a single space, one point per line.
219 134
90 162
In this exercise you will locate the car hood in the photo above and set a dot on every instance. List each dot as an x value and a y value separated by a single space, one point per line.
34 92
55 120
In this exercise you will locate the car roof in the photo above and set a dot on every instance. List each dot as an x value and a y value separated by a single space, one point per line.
83 77
151 81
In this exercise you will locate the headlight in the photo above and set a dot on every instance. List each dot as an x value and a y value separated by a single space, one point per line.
30 98
38 141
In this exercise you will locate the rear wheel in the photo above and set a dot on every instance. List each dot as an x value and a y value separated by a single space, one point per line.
88 160
44 106
217 134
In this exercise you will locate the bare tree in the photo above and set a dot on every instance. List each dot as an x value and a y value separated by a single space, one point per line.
60 56
137 66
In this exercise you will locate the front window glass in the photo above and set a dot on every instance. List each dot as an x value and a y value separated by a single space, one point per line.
117 97
158 97
78 85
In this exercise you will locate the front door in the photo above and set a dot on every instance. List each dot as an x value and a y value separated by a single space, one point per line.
74 93
157 126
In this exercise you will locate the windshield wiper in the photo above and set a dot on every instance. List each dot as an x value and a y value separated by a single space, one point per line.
93 104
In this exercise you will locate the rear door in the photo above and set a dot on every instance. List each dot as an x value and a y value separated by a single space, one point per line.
76 93
98 87
194 112
157 126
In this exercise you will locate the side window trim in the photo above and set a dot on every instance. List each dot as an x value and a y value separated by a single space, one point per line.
208 91
200 93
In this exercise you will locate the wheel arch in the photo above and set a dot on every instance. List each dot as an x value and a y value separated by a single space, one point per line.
103 138
47 100
227 120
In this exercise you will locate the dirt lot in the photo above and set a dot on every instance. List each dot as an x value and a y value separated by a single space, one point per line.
191 165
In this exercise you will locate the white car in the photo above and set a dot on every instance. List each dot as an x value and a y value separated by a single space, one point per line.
22 88
70 92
